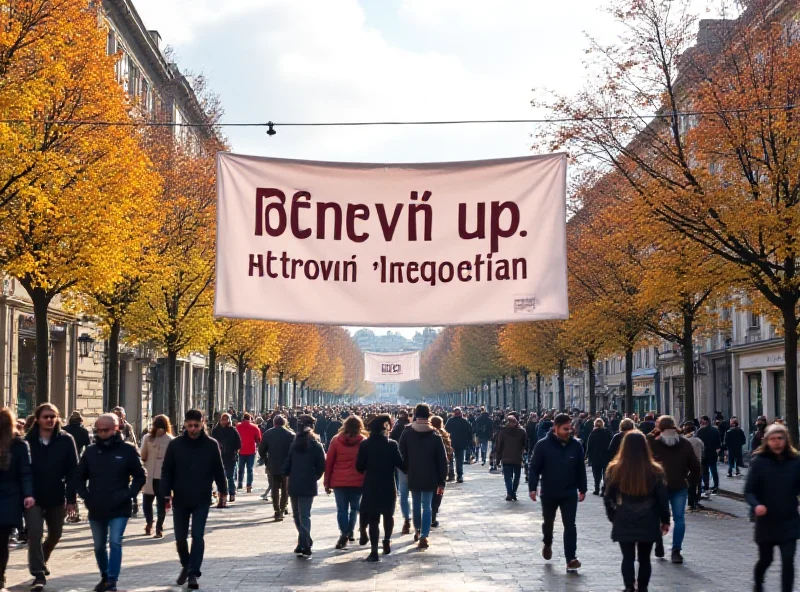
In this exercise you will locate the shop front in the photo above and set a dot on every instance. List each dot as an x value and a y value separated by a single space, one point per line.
762 380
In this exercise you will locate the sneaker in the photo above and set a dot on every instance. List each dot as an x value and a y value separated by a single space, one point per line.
595 492
573 564
101 585
460 480
278 516
715 490
351 537
193 583
423 543
183 576
660 550
483 464
373 557
676 556
298 550
435 523
508 497
342 542
730 475
306 552
38 584
406 527
111 586
387 546
547 552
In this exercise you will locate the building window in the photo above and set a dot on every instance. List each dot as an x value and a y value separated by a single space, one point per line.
607 367
754 394
111 42
755 320
647 358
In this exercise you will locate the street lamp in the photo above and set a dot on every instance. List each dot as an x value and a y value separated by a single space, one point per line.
85 342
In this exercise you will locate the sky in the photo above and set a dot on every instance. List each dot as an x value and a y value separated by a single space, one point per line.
378 60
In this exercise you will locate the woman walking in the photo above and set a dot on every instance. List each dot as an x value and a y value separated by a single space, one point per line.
154 447
378 458
436 422
773 484
341 476
637 505
597 452
16 483
304 465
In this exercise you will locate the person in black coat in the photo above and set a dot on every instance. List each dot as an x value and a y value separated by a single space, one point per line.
773 484
648 425
624 426
483 431
192 463
712 444
110 475
597 452
274 446
304 466
399 425
16 483
637 505
735 439
230 442
54 465
334 425
378 459
460 432
79 433
558 462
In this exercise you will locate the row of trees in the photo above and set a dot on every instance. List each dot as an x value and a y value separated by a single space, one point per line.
118 221
677 214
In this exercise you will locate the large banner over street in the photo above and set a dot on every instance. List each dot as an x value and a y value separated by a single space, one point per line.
396 367
391 244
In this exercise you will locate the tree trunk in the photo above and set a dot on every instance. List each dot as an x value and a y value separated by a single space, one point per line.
212 382
497 392
113 365
172 387
790 354
41 302
592 380
281 397
294 391
525 377
240 368
505 393
562 395
687 345
629 381
539 392
264 390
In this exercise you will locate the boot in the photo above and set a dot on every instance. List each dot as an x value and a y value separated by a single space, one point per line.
387 546
363 538
249 489
342 542
423 544
406 527
148 528
232 497
159 532
373 557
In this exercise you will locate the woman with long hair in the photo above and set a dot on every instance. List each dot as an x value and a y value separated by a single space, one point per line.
304 465
437 424
346 482
154 447
637 505
16 483
378 458
773 484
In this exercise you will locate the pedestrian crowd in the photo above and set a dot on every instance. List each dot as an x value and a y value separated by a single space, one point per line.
648 473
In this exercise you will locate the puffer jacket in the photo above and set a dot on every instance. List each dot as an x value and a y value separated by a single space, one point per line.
340 463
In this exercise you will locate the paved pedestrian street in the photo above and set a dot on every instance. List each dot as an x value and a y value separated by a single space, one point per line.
484 543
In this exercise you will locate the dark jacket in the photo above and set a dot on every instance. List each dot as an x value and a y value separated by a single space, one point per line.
735 439
190 467
597 446
647 426
511 445
424 457
460 432
530 431
54 468
710 437
613 446
110 475
637 519
377 459
397 429
680 463
274 447
544 428
16 483
586 431
304 465
80 434
483 426
229 440
333 428
559 466
775 483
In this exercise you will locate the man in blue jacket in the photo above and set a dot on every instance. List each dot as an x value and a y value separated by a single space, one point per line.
558 462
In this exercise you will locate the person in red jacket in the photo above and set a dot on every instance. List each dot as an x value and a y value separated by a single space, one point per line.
251 436
341 476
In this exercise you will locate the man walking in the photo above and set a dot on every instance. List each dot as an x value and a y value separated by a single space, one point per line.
229 445
558 462
274 448
425 461
401 478
460 432
251 436
191 464
110 476
483 431
510 449
734 441
54 466
712 442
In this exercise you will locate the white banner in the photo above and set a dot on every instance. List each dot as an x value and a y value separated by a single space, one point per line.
391 244
395 367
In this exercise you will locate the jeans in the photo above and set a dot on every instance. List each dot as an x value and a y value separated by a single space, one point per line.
180 520
422 502
765 552
734 459
280 497
161 503
459 454
109 561
484 446
301 510
569 508
402 489
347 498
246 462
511 475
38 552
710 464
629 555
230 471
598 471
677 502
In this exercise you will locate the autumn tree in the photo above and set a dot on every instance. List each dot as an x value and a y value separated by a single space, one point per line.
70 186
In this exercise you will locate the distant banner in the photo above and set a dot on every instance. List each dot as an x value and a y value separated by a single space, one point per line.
391 244
401 367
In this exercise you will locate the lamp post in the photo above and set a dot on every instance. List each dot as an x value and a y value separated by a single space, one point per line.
85 343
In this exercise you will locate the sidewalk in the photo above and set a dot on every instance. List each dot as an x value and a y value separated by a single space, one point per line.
732 486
